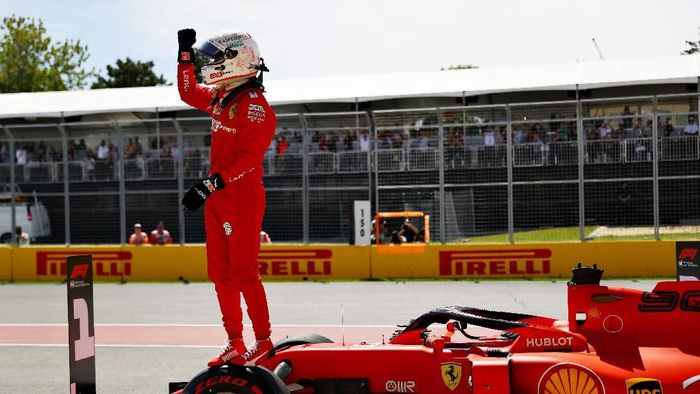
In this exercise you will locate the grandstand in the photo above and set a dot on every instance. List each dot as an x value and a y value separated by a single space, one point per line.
481 151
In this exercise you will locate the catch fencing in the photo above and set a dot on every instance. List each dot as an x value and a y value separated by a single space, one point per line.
476 170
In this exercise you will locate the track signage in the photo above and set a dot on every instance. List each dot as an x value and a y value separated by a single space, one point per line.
81 329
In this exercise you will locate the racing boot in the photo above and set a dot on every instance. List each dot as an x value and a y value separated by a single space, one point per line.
261 348
234 350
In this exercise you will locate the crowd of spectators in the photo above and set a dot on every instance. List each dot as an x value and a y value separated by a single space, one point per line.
557 129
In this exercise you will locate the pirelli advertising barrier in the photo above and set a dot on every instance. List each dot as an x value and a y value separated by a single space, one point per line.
332 262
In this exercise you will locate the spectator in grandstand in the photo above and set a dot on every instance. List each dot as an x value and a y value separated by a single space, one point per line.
160 236
272 149
605 131
282 145
102 151
628 118
387 140
538 129
692 127
350 140
322 142
102 166
668 127
21 237
138 237
81 150
566 130
138 147
455 149
554 124
536 140
620 132
422 143
130 149
174 150
21 155
4 153
489 136
332 142
265 238
637 129
364 141
519 135
90 165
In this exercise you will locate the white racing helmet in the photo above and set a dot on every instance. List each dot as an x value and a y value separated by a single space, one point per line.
233 55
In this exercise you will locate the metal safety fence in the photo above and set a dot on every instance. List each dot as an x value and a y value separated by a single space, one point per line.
568 166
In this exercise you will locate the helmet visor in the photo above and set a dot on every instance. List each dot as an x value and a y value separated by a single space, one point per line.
210 50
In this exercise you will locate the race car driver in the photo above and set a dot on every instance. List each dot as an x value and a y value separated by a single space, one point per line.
243 125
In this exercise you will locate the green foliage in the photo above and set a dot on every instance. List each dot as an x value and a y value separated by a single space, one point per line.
199 61
460 67
31 62
128 73
693 47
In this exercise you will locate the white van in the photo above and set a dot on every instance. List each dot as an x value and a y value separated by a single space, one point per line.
31 215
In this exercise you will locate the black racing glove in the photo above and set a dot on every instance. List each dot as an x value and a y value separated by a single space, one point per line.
196 196
185 39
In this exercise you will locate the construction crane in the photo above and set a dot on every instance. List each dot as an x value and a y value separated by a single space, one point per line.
597 48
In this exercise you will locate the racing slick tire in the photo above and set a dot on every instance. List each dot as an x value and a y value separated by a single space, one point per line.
301 339
236 379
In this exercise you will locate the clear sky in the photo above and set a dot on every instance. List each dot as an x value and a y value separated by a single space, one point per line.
305 39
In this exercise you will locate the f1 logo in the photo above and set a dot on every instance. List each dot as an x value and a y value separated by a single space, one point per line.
688 254
80 270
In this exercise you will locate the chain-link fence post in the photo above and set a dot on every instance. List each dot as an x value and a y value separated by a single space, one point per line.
509 166
122 184
373 168
305 140
180 179
13 185
66 183
581 141
655 165
441 172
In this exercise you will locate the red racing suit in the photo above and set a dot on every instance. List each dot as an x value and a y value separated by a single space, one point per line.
241 132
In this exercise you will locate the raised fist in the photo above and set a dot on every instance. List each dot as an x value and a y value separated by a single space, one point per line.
185 39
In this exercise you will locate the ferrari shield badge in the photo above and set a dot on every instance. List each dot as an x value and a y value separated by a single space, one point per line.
451 374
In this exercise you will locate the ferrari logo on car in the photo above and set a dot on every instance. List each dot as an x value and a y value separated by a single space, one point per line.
451 374
568 378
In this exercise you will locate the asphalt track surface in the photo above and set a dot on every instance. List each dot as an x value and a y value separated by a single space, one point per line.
150 334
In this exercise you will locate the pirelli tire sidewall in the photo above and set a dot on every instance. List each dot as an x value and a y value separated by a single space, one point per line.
236 379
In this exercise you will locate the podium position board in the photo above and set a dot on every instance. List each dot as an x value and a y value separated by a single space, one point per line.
687 260
81 329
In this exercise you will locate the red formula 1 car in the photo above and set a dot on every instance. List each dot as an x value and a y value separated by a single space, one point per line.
616 340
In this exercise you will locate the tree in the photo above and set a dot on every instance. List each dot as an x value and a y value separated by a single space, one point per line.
128 73
31 62
693 47
460 67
